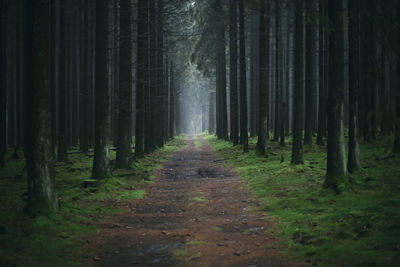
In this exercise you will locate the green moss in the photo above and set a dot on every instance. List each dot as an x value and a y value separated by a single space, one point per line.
358 227
189 252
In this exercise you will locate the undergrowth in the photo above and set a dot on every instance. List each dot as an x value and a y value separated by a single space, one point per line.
60 238
358 227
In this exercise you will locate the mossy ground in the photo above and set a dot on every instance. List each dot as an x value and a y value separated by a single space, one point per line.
57 239
357 227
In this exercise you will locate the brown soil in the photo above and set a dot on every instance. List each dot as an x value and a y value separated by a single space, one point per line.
196 214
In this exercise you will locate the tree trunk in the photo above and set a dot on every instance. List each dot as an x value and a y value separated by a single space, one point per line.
311 37
323 62
336 165
354 162
124 149
101 162
278 83
297 148
84 94
3 83
244 138
171 103
41 190
160 74
142 86
263 78
62 94
233 73
222 116
211 119
151 93
396 147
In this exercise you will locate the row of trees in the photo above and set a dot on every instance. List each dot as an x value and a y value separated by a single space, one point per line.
316 67
68 75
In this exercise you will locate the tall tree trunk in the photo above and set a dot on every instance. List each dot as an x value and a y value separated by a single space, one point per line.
396 147
41 190
354 162
101 162
263 77
211 119
160 74
297 148
323 75
278 83
336 162
171 103
151 94
244 138
124 149
311 37
233 73
222 116
84 94
62 94
142 86
3 83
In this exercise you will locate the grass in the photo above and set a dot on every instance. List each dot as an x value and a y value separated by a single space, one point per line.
189 252
358 227
60 238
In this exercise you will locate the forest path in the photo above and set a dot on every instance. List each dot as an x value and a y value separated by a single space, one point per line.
195 214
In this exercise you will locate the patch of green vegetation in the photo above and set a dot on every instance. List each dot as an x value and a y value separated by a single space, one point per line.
60 238
189 252
218 229
199 199
358 227
197 143
195 243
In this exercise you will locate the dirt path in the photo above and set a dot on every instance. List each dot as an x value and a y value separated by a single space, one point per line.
194 215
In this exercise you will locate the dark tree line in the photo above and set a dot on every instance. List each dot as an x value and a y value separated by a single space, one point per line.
319 71
76 76
98 75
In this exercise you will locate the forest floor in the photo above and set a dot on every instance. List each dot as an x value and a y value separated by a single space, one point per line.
200 201
195 214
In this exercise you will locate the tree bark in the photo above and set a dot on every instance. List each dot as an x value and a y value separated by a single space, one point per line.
171 103
297 148
263 77
222 112
311 37
3 85
244 138
278 82
62 94
124 149
41 189
142 86
336 165
396 147
354 162
84 94
101 162
323 75
160 74
234 132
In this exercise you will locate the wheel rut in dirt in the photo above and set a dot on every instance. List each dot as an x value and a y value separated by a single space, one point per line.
195 214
